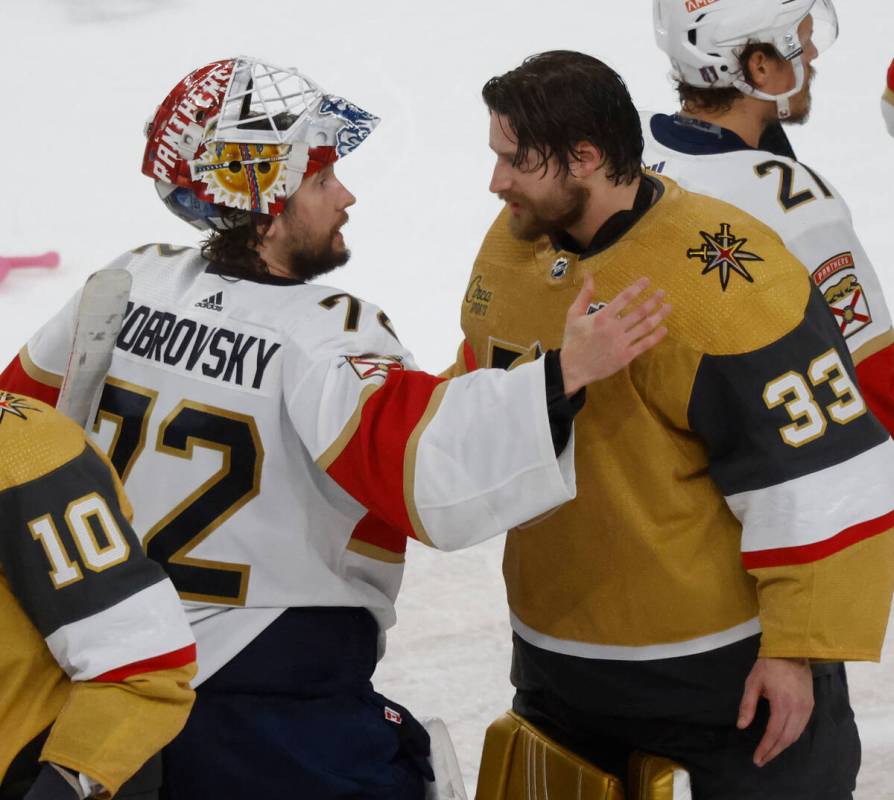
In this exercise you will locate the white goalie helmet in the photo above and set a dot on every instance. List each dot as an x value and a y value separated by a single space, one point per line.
704 39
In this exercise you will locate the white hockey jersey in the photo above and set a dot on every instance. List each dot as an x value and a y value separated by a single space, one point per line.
807 213
279 444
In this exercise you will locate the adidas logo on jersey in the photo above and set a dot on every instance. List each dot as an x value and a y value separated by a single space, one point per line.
214 302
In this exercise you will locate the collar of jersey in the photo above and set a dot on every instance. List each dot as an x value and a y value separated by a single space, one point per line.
650 189
692 136
214 268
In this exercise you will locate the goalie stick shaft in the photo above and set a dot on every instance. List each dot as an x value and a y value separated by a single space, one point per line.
100 316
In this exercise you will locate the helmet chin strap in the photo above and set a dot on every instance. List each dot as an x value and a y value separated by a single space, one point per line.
783 108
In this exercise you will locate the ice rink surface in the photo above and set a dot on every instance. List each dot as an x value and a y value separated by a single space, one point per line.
79 78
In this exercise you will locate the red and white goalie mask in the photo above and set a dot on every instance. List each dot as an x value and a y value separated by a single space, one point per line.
240 134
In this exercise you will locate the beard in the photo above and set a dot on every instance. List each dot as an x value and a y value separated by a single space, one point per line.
549 216
801 102
310 259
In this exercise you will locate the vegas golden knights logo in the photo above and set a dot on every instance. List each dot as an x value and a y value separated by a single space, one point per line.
14 406
723 252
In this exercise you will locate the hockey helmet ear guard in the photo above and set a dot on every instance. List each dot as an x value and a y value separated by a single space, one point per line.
238 135
704 39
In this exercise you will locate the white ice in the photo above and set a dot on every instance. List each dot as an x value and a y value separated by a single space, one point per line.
79 77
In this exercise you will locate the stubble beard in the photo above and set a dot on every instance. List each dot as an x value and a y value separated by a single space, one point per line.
802 101
547 217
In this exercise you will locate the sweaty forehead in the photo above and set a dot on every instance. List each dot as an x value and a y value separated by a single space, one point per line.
502 140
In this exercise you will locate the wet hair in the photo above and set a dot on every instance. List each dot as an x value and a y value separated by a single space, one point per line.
234 250
558 99
697 98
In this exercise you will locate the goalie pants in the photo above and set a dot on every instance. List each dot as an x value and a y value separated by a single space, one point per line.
686 709
295 715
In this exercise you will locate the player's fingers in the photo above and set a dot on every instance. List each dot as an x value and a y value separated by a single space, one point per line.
584 297
646 343
794 727
643 310
647 325
773 733
748 706
625 297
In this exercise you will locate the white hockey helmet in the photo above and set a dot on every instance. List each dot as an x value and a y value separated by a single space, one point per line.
239 135
704 39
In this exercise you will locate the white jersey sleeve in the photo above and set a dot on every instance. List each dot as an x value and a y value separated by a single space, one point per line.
449 462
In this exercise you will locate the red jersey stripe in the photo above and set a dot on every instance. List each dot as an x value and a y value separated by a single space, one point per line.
370 467
875 374
16 378
469 356
172 660
808 553
374 531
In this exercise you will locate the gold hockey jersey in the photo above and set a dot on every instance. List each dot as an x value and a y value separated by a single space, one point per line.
93 643
730 481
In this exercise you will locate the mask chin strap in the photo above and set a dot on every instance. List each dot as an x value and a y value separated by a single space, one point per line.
783 108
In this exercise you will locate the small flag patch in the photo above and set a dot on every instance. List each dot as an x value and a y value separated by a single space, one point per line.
392 716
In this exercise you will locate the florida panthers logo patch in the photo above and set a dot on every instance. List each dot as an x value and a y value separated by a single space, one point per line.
844 294
373 366
723 252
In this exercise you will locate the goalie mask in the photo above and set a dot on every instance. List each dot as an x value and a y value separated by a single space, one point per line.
704 39
238 135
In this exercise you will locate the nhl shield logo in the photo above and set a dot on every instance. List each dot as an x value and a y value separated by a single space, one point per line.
559 268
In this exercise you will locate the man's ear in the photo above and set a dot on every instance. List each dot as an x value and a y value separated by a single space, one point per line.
758 69
587 161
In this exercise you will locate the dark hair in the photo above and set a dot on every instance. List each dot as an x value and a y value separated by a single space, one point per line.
556 100
234 250
696 98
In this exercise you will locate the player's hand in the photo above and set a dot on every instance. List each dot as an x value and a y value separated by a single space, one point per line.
787 683
599 345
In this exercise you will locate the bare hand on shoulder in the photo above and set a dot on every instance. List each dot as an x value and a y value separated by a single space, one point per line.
598 345
787 683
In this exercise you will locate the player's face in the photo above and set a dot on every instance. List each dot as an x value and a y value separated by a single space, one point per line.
540 201
306 236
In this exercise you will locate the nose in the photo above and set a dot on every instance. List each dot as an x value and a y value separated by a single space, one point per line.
499 180
347 199
810 52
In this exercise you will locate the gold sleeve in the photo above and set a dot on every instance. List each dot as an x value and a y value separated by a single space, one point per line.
109 730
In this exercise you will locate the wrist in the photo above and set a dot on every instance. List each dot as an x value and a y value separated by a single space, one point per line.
569 385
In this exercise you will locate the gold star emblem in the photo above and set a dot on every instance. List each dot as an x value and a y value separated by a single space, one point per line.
14 405
723 252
